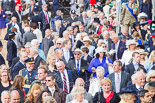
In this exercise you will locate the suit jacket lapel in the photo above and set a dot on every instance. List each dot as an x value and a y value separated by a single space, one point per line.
133 66
113 81
122 79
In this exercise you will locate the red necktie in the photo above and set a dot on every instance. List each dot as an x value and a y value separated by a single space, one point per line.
46 18
65 84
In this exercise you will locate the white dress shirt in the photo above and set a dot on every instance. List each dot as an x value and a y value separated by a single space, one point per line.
66 55
52 90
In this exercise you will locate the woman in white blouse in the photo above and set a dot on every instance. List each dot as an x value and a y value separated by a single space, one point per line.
127 55
95 82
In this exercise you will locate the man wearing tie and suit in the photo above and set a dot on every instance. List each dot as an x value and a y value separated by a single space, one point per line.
107 39
45 19
117 48
134 65
31 9
79 66
41 3
119 78
64 78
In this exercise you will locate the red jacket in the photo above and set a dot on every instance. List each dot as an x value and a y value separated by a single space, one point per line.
19 3
92 2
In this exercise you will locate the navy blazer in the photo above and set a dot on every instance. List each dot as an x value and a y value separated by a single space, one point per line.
83 73
59 80
131 69
89 58
43 19
15 14
71 57
30 14
2 61
37 61
15 70
120 51
11 50
125 78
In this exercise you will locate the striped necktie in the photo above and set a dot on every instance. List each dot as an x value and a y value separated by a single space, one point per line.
117 84
65 83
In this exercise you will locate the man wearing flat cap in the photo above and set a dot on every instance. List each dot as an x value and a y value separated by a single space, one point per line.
129 13
78 65
29 73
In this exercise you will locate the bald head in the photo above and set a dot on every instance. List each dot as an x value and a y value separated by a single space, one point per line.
14 19
80 82
15 97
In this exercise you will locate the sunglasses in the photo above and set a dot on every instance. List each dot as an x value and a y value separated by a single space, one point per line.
104 46
47 80
58 43
76 54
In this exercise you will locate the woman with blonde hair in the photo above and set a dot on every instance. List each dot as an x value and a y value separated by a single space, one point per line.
32 95
127 95
143 56
149 63
51 60
150 76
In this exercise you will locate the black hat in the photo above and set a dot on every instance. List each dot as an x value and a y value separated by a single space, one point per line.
1 45
12 33
29 60
135 24
95 7
73 12
97 20
75 26
36 9
144 23
127 90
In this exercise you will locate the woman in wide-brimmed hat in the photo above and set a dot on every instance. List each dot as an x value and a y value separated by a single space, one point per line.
143 56
127 55
87 41
100 60
150 62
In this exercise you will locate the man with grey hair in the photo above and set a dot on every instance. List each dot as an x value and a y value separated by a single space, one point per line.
117 47
80 82
28 36
124 35
84 18
5 96
35 55
59 28
119 78
107 39
139 82
71 36
66 35
15 96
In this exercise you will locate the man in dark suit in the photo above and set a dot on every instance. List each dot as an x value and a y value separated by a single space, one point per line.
59 28
125 34
21 50
117 47
45 19
37 58
19 65
15 24
64 75
139 84
2 61
67 53
107 39
134 65
79 66
17 14
31 9
36 18
55 6
119 78
84 18
73 17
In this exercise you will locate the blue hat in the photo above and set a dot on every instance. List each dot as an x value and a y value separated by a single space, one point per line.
73 12
95 7
64 21
29 60
127 90
1 45
75 26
